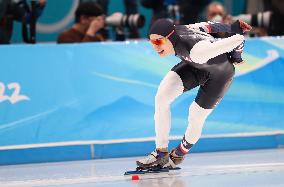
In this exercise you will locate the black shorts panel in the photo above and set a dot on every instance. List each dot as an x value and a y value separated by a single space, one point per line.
190 76
213 82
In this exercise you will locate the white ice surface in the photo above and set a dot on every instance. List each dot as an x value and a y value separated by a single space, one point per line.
237 168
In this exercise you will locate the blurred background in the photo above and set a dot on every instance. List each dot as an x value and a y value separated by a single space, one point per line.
27 21
78 78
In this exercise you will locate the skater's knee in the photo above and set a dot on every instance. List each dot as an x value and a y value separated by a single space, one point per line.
161 99
198 113
170 88
196 119
196 125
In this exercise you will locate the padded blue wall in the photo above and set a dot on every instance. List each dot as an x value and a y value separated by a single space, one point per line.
105 92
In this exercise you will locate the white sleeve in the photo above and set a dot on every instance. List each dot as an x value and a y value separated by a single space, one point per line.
204 50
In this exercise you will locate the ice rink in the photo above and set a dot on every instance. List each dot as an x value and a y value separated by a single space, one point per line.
235 168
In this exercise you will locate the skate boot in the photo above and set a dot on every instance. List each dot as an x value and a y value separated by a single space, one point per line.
175 158
177 154
159 158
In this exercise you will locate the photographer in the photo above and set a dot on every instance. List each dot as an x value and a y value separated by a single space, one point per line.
216 12
89 19
266 21
270 17
19 10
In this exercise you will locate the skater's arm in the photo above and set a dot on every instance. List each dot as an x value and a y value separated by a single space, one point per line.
238 27
204 50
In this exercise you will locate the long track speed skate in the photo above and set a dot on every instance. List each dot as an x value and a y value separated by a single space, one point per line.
154 169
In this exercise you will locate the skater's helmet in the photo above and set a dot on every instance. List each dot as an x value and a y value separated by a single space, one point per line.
165 28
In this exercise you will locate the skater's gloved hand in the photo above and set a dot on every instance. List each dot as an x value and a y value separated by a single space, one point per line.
246 27
235 61
240 27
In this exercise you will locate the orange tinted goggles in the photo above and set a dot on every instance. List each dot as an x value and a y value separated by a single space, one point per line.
161 41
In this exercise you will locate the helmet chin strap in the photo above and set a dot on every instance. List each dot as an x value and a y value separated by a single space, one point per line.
174 38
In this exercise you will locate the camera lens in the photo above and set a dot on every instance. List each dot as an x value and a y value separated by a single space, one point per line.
135 21
130 21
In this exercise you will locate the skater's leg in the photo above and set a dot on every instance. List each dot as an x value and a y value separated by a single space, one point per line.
208 97
196 119
170 88
181 78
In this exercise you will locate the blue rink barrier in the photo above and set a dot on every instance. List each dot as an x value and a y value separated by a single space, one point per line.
96 100
98 150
